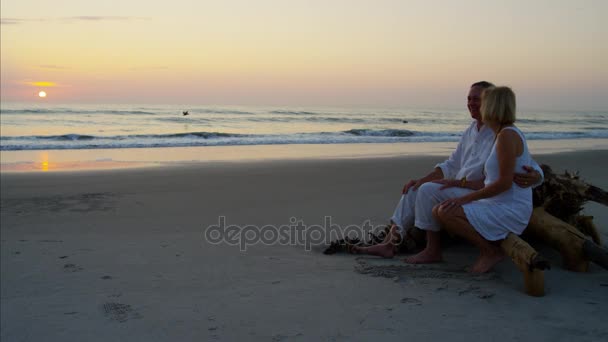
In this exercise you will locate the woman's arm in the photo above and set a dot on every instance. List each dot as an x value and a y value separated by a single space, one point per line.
508 146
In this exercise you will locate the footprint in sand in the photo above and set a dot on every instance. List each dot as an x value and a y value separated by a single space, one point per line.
476 290
281 337
120 312
409 300
72 268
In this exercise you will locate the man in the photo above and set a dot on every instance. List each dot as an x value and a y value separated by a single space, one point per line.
455 177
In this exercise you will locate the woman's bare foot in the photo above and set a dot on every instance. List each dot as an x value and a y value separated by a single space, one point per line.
425 257
487 261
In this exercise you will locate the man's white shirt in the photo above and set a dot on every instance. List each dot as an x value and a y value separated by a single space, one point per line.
470 156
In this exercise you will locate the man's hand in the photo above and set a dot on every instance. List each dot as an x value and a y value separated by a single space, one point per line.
528 178
414 184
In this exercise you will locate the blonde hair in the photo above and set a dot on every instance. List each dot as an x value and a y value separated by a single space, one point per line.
498 105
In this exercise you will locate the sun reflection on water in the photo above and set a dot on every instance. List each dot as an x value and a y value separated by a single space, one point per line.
44 164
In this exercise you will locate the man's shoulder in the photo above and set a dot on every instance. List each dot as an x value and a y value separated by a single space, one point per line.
483 135
471 129
471 126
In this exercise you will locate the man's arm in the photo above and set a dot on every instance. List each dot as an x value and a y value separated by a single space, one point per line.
452 165
446 169
416 183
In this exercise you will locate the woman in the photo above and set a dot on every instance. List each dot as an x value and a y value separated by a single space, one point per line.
500 207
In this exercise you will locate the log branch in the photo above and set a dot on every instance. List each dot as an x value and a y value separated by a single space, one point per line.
529 262
568 240
597 195
586 226
596 253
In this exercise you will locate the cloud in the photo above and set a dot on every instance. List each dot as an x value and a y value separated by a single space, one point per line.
40 83
50 66
147 68
89 18
100 18
12 21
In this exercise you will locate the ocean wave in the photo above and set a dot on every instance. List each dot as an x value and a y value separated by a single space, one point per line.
395 120
72 111
290 112
80 137
537 121
380 133
205 135
314 119
81 141
84 141
596 128
69 137
186 119
334 119
594 134
219 111
275 119
63 137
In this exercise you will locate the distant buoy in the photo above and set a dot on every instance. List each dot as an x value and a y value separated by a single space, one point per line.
185 112
404 121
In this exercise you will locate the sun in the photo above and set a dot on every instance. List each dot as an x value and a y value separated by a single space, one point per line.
42 93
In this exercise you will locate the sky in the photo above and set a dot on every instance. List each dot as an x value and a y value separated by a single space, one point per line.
295 52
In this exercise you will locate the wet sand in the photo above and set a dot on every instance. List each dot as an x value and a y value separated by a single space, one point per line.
122 255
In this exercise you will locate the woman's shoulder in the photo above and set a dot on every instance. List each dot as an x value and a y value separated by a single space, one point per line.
510 135
511 131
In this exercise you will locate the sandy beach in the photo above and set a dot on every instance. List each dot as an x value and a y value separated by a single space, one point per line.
122 255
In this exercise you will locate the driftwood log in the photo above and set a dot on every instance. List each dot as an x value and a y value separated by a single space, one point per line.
529 262
556 220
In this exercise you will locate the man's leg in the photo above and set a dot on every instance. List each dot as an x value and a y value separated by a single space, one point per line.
403 217
386 249
431 252
429 195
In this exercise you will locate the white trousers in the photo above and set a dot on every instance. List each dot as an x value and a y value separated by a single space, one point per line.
415 209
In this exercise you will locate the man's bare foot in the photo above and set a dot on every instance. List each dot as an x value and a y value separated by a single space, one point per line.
385 250
486 262
352 249
424 257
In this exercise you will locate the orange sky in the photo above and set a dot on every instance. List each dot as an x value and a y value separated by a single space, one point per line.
387 52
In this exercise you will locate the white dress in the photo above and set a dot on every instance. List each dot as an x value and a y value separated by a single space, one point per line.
509 211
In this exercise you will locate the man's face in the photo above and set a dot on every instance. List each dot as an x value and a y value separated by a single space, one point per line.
474 102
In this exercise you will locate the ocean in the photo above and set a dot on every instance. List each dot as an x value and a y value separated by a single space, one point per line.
70 127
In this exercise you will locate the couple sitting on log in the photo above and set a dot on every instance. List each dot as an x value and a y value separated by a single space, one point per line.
481 193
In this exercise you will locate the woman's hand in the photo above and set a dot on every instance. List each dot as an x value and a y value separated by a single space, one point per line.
453 203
